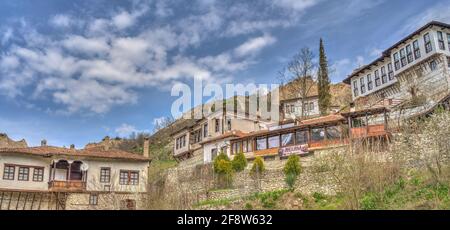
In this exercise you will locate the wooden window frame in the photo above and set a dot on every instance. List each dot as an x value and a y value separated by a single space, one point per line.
129 179
105 178
403 60
441 42
38 177
355 88
369 82
396 61
93 199
362 85
427 42
21 176
416 48
390 72
409 54
9 172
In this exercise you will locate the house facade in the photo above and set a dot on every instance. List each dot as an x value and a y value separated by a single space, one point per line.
415 69
46 177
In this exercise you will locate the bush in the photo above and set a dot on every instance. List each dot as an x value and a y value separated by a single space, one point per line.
239 162
224 170
291 171
369 202
258 166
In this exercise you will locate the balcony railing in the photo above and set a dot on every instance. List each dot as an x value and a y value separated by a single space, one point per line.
67 186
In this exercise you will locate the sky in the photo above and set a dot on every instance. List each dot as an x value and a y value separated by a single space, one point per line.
72 72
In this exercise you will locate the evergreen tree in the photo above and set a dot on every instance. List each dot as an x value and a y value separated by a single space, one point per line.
323 82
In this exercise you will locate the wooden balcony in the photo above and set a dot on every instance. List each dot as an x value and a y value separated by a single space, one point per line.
67 186
369 131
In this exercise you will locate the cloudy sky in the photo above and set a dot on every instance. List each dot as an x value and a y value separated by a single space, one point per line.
76 71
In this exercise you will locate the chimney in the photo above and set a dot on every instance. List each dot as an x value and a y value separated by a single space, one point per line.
44 143
146 152
72 146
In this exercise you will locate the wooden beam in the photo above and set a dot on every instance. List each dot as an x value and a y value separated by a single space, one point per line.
10 198
1 200
26 199
40 201
32 202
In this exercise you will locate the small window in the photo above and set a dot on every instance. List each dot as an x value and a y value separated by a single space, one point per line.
229 124
205 130
128 177
261 143
301 137
107 188
317 134
24 173
403 57
409 54
217 125
213 154
244 146
369 82
377 78
38 174
250 146
363 85
448 62
8 172
441 40
390 72
416 49
105 175
383 75
355 88
427 40
93 199
274 142
396 61
448 41
287 139
433 65
311 106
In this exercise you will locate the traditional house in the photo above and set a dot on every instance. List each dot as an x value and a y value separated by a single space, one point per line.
48 177
410 77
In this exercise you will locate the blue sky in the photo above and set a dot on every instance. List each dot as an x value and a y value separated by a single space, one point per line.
73 72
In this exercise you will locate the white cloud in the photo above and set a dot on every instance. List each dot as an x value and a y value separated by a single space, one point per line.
376 52
84 45
298 5
123 20
61 20
126 130
7 35
254 45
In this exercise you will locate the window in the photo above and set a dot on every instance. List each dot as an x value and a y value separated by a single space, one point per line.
261 143
292 108
363 85
250 146
24 173
105 175
8 172
409 54
448 62
333 133
205 130
448 41
287 139
383 75
369 82
107 188
390 72
93 199
236 147
428 46
213 154
317 134
196 136
38 174
377 78
416 49
244 146
217 125
396 61
441 40
181 142
129 177
355 88
229 124
274 142
311 106
301 137
403 57
178 143
433 65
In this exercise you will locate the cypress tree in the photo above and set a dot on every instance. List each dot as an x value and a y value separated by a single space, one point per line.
323 81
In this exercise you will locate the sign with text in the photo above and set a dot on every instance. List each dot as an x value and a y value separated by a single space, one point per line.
293 150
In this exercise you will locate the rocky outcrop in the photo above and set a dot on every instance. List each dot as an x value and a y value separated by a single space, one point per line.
6 142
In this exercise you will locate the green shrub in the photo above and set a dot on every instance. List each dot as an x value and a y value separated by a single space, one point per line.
239 162
369 202
291 171
258 166
224 170
248 206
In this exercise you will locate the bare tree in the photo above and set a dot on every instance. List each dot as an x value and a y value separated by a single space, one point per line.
298 78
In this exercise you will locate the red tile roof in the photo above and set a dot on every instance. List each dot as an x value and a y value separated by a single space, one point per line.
89 153
324 119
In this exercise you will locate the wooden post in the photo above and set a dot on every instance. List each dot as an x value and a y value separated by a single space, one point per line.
10 198
32 202
40 201
18 199
25 203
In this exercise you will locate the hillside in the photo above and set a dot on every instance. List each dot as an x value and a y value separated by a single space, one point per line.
6 142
